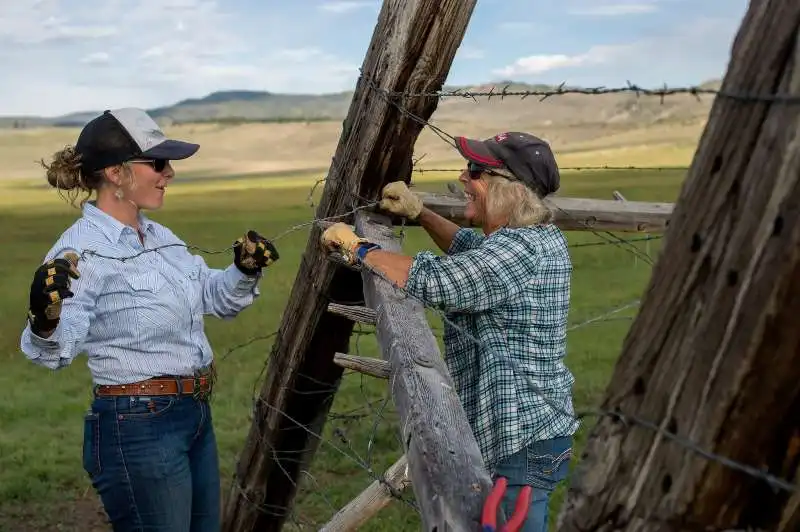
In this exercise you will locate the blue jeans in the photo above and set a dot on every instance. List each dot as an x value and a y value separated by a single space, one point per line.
153 461
542 465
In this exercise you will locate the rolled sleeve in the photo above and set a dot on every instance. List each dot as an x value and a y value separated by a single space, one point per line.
77 312
476 279
464 239
46 352
227 292
240 284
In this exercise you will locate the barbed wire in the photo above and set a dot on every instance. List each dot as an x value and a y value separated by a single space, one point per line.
568 168
377 409
578 414
562 90
770 479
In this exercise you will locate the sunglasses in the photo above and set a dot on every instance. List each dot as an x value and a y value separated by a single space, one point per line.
158 164
475 170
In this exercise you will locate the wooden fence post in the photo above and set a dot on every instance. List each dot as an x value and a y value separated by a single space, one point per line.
713 358
411 50
447 472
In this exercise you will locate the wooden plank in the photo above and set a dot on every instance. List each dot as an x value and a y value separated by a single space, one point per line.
450 480
352 312
713 355
412 48
573 213
368 366
370 501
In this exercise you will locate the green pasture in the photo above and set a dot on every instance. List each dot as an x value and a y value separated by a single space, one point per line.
42 484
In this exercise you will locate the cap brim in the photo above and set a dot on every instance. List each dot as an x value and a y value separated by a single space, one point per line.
478 152
173 150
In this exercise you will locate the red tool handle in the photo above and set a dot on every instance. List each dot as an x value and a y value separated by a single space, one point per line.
520 510
492 503
489 515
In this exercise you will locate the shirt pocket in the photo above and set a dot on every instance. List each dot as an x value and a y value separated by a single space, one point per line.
194 287
150 303
146 282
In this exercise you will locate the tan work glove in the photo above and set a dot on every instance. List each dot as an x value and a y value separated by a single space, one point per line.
339 237
398 199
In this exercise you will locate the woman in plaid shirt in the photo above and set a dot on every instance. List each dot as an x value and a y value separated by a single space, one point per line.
509 289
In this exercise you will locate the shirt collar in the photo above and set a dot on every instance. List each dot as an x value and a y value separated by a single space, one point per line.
109 225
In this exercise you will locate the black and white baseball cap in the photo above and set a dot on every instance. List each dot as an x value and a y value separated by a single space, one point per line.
120 135
526 156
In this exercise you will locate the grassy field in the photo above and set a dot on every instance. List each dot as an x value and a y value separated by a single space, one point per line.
42 484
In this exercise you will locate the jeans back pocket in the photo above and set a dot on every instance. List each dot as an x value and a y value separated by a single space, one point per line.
548 462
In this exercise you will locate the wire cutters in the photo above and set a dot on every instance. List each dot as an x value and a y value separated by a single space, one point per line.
490 507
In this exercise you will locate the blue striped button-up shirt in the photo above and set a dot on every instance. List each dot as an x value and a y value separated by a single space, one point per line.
141 317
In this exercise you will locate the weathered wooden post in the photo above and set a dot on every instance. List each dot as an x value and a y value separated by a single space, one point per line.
447 472
714 354
411 50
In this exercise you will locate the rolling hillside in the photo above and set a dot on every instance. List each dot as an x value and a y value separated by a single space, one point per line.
256 132
258 106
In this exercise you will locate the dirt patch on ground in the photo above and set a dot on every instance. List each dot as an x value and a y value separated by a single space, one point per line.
84 514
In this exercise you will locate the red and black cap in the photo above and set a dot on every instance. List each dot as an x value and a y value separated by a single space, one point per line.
527 157
120 135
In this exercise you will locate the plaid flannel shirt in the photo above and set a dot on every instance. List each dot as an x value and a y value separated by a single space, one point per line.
509 290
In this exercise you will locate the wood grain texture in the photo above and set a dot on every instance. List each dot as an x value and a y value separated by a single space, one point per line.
352 312
368 366
714 354
370 501
412 48
572 213
448 475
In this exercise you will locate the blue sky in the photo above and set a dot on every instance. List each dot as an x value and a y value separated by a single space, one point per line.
60 56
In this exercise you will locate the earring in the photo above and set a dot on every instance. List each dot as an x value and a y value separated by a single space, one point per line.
118 193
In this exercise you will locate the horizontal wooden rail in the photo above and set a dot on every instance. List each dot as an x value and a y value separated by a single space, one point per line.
573 214
371 500
374 367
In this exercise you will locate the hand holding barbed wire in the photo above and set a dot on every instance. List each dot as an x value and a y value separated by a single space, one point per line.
398 199
339 237
252 252
49 288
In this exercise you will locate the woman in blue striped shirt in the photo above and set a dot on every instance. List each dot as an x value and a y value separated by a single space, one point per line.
149 445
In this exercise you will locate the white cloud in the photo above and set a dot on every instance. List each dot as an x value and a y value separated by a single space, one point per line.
161 52
70 56
697 49
469 52
96 58
515 26
614 8
345 6
537 64
43 21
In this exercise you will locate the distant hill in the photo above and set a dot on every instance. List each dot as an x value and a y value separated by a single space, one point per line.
259 106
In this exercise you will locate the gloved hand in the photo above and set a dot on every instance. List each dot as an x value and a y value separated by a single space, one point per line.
252 252
398 199
50 286
339 237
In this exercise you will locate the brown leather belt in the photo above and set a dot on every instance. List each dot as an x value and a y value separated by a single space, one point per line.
158 386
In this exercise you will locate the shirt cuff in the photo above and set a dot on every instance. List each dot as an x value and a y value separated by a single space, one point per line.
417 273
239 282
50 343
